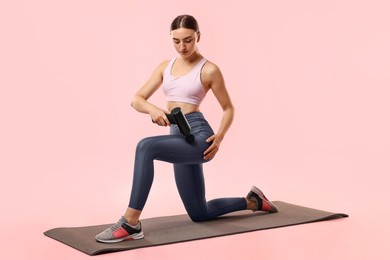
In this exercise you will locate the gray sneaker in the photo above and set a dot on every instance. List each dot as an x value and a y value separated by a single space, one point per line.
120 231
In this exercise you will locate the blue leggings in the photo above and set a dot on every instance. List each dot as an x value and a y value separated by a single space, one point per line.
187 161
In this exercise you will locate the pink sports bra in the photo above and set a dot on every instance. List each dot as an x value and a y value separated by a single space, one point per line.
187 88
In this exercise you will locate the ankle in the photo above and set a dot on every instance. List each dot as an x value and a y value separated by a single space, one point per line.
131 220
251 205
132 216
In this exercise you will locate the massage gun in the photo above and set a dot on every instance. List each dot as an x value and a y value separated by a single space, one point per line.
176 117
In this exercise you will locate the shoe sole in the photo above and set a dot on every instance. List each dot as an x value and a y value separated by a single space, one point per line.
128 238
258 192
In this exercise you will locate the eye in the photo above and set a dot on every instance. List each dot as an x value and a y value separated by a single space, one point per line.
188 41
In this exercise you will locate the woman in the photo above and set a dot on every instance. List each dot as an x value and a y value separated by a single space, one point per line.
185 81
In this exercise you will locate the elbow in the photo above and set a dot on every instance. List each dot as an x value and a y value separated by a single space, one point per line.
230 108
133 102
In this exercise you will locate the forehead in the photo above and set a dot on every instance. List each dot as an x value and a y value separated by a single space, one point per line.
182 33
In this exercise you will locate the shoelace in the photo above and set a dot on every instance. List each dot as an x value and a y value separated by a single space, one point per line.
116 226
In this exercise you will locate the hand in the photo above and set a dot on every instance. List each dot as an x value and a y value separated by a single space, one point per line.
159 117
214 147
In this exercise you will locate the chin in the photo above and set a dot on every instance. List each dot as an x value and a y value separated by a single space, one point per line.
185 55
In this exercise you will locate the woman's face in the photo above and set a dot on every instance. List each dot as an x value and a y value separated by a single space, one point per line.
185 41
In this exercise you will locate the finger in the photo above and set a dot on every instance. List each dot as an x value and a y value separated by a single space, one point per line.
166 121
208 150
211 138
207 157
210 156
162 121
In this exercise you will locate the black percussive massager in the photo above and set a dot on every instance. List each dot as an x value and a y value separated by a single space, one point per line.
176 117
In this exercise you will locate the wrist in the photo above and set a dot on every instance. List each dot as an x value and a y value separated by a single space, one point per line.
220 135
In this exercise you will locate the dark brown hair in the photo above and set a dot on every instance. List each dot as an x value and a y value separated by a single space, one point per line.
185 21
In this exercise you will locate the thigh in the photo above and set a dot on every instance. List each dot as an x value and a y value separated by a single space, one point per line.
173 149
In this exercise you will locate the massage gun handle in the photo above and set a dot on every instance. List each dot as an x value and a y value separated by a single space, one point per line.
171 119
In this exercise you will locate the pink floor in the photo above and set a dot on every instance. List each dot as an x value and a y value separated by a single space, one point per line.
310 83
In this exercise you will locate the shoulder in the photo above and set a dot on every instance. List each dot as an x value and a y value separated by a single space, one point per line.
159 70
210 68
162 66
211 72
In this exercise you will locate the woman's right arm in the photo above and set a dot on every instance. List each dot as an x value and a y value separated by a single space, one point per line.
140 102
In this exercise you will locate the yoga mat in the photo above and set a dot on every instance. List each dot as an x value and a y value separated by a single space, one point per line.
175 229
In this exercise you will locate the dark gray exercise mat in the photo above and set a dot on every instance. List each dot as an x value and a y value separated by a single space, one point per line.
175 229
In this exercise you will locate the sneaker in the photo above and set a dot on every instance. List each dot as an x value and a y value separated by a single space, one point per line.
119 232
263 204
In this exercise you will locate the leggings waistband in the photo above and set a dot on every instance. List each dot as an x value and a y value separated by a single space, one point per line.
194 115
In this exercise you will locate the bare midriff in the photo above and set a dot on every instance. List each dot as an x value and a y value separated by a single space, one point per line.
185 107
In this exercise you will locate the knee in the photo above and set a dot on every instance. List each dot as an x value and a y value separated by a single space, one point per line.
197 217
143 145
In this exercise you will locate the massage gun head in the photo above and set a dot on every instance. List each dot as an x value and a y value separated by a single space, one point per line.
190 139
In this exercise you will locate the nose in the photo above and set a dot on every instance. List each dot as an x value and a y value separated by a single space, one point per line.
182 46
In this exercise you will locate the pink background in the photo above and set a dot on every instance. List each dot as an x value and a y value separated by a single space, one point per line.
313 76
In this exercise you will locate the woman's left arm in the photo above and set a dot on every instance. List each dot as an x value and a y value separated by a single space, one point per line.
212 76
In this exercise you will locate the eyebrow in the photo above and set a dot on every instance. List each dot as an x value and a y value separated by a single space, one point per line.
183 39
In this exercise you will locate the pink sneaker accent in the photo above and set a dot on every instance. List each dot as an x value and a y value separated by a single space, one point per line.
120 233
257 195
266 206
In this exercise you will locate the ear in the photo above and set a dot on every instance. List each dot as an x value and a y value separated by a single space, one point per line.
198 36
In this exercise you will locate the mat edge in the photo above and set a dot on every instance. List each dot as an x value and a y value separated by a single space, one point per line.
330 217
